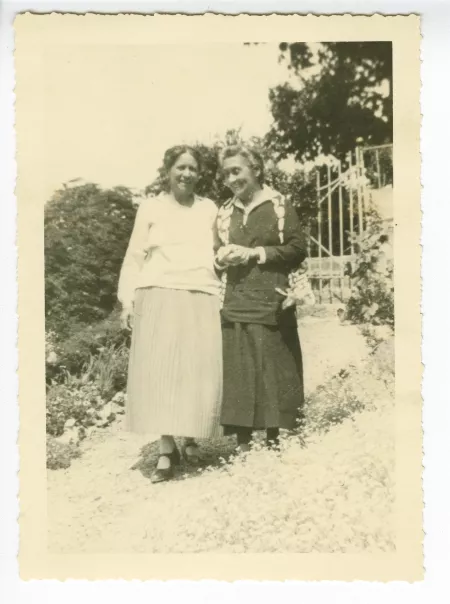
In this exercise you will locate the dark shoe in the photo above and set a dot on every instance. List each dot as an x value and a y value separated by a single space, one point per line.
273 444
164 474
175 457
273 438
192 457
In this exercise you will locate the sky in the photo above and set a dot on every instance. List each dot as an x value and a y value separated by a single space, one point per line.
111 112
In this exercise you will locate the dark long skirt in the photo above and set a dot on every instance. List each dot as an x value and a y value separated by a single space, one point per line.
263 377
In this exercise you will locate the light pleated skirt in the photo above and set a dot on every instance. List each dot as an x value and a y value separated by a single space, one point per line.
175 366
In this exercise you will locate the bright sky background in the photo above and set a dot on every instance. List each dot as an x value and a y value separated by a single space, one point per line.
111 112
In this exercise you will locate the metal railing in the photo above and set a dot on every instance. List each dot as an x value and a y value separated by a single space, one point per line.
343 200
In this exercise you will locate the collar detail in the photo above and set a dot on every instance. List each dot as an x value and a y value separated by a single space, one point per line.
224 218
265 194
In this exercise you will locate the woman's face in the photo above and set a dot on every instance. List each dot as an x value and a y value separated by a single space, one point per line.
240 177
184 175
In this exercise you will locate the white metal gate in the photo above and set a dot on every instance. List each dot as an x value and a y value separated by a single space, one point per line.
343 199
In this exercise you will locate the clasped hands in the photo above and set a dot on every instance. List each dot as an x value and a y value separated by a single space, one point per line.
233 255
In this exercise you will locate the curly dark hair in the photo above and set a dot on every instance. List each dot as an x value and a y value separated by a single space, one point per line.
170 157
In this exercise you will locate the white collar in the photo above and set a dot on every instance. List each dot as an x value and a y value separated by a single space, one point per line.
265 194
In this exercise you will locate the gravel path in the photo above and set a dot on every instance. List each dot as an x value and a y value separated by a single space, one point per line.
100 493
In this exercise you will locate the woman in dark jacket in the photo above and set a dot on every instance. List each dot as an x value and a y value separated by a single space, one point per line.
259 243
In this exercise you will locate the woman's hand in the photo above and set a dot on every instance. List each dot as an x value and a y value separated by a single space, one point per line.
126 317
289 298
299 291
222 253
233 255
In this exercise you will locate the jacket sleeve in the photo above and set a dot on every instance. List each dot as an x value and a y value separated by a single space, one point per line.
292 251
134 257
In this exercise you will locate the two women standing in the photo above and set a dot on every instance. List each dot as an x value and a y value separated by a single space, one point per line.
186 376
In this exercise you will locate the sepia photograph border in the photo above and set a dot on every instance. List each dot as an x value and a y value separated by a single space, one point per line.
35 34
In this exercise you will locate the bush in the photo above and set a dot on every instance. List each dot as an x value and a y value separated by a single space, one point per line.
372 297
108 370
87 230
73 353
72 401
81 399
74 409
60 455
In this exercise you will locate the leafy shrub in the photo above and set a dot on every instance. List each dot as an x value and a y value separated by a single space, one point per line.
60 455
73 353
372 297
108 370
81 403
87 230
73 400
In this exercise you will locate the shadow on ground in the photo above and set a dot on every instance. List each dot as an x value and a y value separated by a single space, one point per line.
211 453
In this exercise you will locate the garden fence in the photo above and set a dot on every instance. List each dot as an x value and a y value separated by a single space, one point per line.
345 193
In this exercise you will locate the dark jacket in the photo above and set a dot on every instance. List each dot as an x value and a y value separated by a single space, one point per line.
251 295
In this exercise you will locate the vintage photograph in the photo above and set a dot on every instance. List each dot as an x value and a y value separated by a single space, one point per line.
220 303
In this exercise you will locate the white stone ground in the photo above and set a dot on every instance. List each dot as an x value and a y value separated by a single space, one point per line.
97 495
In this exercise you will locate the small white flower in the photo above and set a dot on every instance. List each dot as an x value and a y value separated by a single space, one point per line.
52 358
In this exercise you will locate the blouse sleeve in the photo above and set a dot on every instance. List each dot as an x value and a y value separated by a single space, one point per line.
134 257
292 251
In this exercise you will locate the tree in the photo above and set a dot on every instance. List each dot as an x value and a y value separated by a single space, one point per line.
86 235
336 97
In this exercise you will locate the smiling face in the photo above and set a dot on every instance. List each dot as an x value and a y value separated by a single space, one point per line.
240 177
184 174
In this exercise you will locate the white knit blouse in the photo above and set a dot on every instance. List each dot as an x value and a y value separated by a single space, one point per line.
171 246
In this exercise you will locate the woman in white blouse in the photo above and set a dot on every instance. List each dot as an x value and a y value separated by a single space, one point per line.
169 291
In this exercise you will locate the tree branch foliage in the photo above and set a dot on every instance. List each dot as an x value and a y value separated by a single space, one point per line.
335 97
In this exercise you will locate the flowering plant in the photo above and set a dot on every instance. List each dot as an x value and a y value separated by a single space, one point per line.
72 402
372 297
299 291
